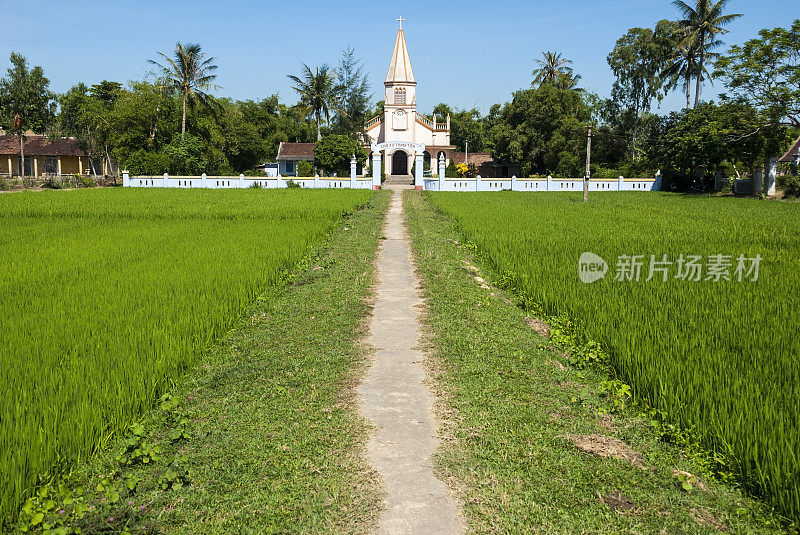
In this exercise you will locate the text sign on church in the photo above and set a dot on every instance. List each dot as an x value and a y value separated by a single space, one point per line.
393 145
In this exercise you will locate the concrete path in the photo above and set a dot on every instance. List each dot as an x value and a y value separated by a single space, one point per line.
397 401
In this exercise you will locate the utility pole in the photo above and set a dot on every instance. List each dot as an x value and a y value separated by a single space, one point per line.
588 161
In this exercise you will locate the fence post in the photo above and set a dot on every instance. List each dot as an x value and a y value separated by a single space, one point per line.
203 178
441 173
658 180
419 164
620 183
241 180
281 183
126 179
772 176
353 169
166 180
514 183
549 183
376 170
758 182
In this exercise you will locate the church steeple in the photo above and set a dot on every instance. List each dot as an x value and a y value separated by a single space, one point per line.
400 70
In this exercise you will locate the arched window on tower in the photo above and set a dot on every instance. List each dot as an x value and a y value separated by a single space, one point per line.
400 95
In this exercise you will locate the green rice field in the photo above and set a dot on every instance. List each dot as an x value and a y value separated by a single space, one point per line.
721 358
108 295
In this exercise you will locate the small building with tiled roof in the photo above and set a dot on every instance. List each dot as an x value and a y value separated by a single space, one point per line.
289 154
793 154
43 156
486 164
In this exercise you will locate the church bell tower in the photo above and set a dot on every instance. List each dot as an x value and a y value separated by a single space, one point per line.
400 102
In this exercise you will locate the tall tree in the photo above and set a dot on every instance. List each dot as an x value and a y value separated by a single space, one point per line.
354 96
26 100
466 126
766 72
639 60
191 74
318 92
551 68
543 129
701 25
682 66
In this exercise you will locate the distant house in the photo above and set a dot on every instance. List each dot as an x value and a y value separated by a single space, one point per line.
43 156
793 154
271 168
289 154
487 165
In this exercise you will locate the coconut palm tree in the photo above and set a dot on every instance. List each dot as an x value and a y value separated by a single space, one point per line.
318 92
684 66
551 68
191 74
569 81
701 25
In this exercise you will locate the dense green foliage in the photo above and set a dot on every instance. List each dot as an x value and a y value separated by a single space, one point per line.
115 292
26 102
545 130
766 72
718 358
334 152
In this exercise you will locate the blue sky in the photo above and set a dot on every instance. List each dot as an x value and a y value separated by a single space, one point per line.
467 53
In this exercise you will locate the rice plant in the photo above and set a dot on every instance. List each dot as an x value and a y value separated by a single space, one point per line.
718 357
107 295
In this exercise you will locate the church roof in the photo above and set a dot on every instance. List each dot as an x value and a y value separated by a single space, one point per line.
400 67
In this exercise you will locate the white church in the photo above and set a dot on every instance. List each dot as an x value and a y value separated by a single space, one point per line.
399 133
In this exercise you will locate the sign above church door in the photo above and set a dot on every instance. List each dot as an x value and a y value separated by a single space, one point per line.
394 145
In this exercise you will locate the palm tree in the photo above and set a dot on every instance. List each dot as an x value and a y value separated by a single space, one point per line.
318 92
683 65
551 68
701 26
569 81
191 74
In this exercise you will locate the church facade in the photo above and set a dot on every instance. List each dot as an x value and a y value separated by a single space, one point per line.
401 131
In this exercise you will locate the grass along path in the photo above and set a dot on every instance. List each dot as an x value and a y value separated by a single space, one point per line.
519 422
263 436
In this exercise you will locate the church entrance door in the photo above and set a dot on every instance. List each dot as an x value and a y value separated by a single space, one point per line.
399 163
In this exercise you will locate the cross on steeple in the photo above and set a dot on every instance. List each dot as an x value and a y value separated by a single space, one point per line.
401 20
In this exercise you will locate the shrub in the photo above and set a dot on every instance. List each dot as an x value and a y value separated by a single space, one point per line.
789 184
53 182
450 171
142 162
85 181
305 168
333 153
